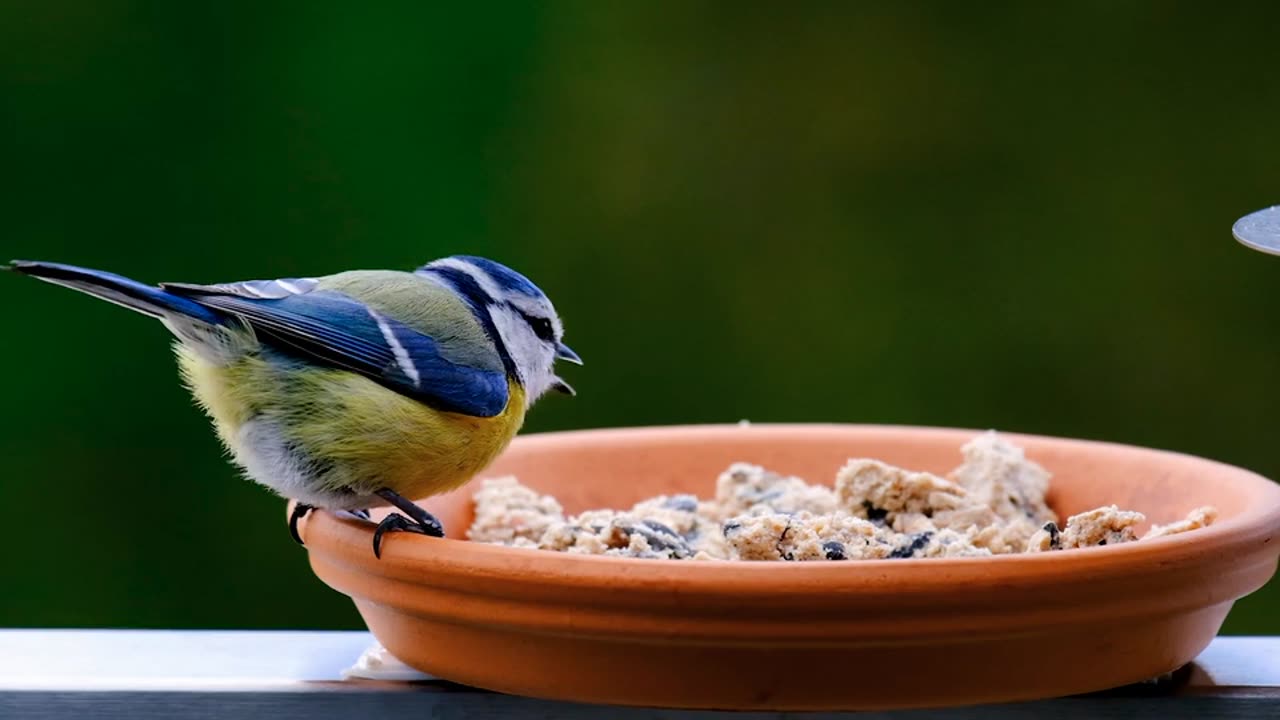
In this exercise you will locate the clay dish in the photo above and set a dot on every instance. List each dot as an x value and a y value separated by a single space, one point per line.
809 636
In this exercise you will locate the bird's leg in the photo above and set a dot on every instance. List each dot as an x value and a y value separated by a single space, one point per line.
430 525
418 520
300 511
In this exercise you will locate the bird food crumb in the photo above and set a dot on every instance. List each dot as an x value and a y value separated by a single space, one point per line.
1107 525
509 513
1201 517
993 503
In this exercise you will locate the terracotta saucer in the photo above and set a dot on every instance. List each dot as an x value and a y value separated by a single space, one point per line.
790 636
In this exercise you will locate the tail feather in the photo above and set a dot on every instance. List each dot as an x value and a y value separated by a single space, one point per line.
147 299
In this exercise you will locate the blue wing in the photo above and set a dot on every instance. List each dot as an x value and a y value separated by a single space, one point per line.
340 331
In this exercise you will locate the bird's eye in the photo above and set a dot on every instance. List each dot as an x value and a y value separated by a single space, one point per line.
540 325
542 328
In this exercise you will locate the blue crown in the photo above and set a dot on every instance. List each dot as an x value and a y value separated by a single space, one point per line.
506 278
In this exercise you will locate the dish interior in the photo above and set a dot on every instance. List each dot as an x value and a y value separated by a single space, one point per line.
612 469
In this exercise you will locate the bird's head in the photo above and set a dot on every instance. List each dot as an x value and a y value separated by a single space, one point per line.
530 335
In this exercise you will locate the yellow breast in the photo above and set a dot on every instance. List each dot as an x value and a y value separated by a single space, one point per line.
358 435
460 446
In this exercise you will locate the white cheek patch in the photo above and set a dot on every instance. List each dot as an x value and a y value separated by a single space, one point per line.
532 356
516 335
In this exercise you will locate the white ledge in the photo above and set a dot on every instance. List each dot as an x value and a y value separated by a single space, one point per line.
188 674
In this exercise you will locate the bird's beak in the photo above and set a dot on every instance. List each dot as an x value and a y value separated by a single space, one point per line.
561 386
566 353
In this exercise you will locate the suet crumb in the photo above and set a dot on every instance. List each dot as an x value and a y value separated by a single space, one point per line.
1201 517
745 488
509 513
1107 525
992 504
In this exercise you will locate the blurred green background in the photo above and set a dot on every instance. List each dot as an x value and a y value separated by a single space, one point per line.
984 215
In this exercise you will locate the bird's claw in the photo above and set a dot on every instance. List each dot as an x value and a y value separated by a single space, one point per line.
395 522
415 519
300 511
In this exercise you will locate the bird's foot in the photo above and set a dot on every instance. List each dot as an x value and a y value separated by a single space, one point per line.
395 522
300 511
418 521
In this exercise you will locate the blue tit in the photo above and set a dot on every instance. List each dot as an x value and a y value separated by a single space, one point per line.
360 389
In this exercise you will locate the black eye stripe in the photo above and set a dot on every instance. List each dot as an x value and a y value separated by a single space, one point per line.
479 302
541 326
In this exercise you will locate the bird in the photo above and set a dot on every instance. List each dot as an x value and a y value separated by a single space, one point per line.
359 389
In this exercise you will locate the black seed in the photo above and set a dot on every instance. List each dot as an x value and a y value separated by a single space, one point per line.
918 542
731 527
659 527
1103 541
1055 535
661 537
834 550
874 514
